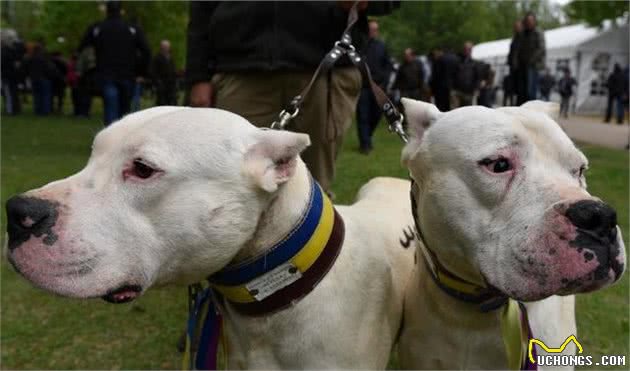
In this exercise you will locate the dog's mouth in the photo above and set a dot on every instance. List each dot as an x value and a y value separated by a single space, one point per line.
123 294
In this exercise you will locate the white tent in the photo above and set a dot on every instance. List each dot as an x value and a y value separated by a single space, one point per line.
589 52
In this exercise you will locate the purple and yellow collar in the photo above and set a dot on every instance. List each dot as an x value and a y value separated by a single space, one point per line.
515 328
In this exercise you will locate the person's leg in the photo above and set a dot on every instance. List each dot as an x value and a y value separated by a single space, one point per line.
126 90
564 107
258 97
521 86
8 99
46 96
532 83
363 119
62 96
37 101
131 96
326 116
609 108
375 115
620 109
111 103
74 96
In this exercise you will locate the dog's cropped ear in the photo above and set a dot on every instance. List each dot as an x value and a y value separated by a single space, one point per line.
419 116
550 109
271 161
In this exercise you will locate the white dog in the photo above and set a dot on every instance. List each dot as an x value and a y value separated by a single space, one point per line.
175 195
502 208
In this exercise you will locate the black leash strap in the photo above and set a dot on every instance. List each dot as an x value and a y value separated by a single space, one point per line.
344 47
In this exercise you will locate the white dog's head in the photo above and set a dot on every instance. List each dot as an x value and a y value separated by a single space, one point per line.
502 200
169 194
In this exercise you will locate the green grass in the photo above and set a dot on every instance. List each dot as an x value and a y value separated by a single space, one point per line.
42 331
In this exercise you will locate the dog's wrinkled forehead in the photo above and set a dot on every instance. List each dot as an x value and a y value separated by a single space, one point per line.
166 133
481 131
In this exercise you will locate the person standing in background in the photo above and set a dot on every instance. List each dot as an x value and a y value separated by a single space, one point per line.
565 88
511 87
531 53
59 82
466 77
368 111
615 85
410 78
163 76
546 83
41 70
486 84
72 80
441 82
12 53
87 81
122 58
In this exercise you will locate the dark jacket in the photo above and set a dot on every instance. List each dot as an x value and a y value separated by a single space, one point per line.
616 83
266 36
163 69
10 58
512 58
466 78
565 86
378 61
121 49
40 66
530 49
546 83
442 72
410 76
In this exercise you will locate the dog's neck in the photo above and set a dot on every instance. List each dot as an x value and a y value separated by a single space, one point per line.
484 350
281 215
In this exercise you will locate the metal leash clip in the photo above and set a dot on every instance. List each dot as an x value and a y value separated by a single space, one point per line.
397 127
284 118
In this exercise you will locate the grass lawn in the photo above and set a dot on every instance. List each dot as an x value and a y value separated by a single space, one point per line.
42 331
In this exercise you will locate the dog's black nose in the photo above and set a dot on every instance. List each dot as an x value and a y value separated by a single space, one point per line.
595 217
28 216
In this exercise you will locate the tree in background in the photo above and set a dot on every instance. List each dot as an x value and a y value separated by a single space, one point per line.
61 24
428 24
595 12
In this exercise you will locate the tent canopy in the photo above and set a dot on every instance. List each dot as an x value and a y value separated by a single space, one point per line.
559 38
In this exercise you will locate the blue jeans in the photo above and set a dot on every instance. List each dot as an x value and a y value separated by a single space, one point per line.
116 99
42 96
137 96
368 116
616 100
532 83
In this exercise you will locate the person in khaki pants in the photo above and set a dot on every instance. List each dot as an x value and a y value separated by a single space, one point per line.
252 58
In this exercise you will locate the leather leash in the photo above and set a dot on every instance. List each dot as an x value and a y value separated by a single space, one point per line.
344 47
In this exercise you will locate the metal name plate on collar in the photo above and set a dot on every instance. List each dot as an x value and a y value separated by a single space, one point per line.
274 280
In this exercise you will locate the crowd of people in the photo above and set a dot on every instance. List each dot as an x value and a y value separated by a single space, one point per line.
113 61
255 78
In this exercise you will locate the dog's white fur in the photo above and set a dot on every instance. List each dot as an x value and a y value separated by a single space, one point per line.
225 192
484 226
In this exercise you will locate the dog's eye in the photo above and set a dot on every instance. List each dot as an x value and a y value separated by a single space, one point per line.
580 172
142 170
499 165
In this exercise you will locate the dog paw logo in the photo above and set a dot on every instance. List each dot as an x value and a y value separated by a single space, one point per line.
571 338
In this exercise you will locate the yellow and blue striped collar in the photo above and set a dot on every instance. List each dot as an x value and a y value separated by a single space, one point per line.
317 236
